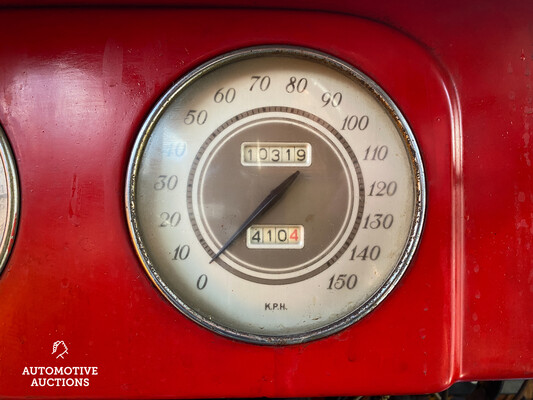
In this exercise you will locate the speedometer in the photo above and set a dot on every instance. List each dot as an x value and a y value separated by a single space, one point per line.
275 195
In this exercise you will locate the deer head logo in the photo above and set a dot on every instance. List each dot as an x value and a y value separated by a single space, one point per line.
60 347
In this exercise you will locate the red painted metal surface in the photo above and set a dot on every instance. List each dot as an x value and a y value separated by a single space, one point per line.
75 85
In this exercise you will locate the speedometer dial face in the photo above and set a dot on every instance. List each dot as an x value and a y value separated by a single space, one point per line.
275 195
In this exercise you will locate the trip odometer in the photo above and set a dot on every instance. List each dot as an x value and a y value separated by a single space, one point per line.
275 195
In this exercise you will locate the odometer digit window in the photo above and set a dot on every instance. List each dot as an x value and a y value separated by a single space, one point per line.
276 154
275 195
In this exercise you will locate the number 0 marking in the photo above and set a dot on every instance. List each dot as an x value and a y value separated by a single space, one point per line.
201 282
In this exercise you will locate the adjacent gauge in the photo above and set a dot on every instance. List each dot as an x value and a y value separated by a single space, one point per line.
275 195
9 199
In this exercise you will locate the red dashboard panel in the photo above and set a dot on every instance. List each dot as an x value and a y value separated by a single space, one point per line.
76 85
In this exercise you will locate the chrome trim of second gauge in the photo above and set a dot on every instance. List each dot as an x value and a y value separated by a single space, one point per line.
12 202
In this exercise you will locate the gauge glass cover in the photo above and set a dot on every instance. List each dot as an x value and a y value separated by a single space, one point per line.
334 241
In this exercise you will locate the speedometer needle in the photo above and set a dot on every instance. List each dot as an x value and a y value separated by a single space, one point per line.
265 205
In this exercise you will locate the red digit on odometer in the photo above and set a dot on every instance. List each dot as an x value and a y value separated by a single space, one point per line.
294 235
